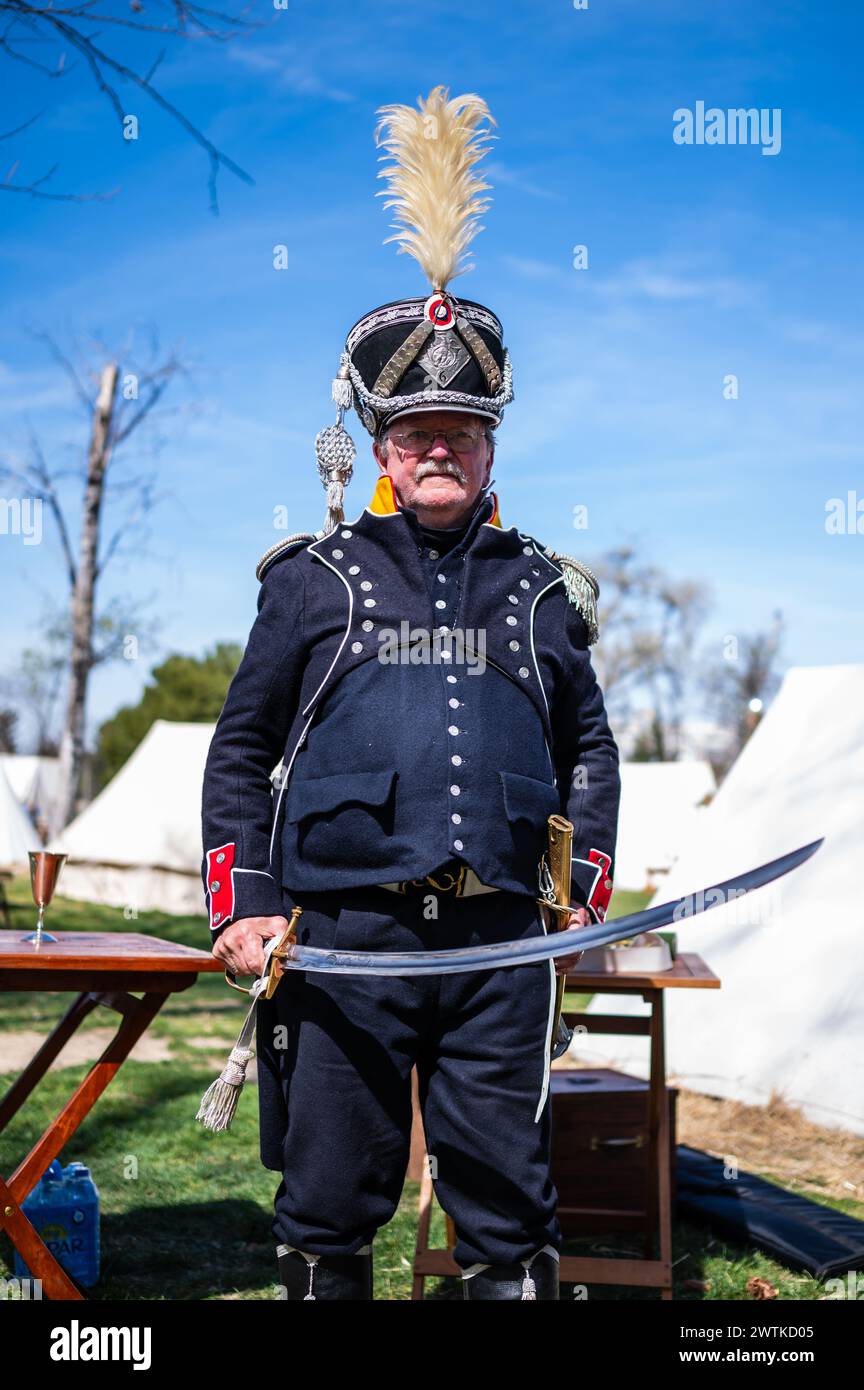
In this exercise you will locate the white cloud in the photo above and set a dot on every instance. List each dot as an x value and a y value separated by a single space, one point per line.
502 173
289 76
532 269
666 279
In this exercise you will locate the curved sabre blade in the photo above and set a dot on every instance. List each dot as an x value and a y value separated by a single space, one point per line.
526 951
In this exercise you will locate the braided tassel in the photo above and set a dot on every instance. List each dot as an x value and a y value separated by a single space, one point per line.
219 1101
335 450
340 388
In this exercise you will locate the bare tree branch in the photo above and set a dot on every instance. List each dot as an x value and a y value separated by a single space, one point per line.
67 23
158 389
7 135
48 484
84 396
93 637
147 501
35 190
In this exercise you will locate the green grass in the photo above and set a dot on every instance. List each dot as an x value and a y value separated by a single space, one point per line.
186 1214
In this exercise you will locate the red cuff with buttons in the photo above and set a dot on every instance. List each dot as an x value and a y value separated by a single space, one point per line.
598 898
220 885
592 882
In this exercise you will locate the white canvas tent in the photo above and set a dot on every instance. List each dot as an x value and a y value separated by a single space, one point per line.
138 843
658 815
34 779
17 833
788 1018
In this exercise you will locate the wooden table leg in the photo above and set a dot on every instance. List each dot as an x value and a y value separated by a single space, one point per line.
659 1196
80 1103
48 1053
424 1217
30 1246
137 1015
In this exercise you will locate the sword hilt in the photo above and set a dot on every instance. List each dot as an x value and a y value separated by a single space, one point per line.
273 972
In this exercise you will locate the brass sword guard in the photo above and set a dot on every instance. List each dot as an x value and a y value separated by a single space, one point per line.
273 971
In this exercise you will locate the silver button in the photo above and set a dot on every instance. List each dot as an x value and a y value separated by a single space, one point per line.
366 585
367 624
220 858
457 844
440 603
452 729
455 790
511 598
514 646
433 554
215 886
346 535
368 603
356 646
534 569
457 762
523 671
217 916
512 621
442 631
453 703
527 550
452 680
446 656
524 584
456 818
442 579
354 569
337 554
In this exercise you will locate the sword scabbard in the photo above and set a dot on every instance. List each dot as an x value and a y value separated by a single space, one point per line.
560 856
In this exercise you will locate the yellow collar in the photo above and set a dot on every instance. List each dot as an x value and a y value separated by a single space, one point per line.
384 500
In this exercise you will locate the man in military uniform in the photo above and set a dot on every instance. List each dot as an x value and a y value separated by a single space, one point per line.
423 673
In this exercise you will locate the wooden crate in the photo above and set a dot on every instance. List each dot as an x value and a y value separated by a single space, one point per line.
600 1149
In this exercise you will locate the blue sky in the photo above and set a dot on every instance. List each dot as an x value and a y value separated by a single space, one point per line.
703 261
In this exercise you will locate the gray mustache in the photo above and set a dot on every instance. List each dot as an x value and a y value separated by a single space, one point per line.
446 466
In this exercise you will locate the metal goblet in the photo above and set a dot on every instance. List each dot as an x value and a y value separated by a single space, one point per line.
44 873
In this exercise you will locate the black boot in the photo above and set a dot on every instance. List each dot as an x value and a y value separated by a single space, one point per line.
304 1275
529 1279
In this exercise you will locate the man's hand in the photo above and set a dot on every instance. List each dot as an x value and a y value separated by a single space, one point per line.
241 947
579 917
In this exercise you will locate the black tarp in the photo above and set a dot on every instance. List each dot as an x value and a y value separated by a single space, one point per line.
796 1231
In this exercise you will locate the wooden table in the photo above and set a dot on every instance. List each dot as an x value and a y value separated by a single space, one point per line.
107 968
688 971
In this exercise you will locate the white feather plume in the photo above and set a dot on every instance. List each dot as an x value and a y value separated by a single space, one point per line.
431 182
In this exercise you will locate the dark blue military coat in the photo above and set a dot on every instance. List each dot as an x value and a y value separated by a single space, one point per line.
420 718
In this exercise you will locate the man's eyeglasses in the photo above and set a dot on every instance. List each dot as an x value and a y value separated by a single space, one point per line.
461 441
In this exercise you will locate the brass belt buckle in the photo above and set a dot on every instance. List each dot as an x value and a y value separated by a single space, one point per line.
455 885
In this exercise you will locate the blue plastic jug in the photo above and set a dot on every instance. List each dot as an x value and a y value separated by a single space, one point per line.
64 1209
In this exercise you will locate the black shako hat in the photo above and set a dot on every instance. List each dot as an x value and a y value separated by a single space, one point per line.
433 352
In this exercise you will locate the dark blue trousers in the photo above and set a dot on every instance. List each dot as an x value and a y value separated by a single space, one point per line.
335 1055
